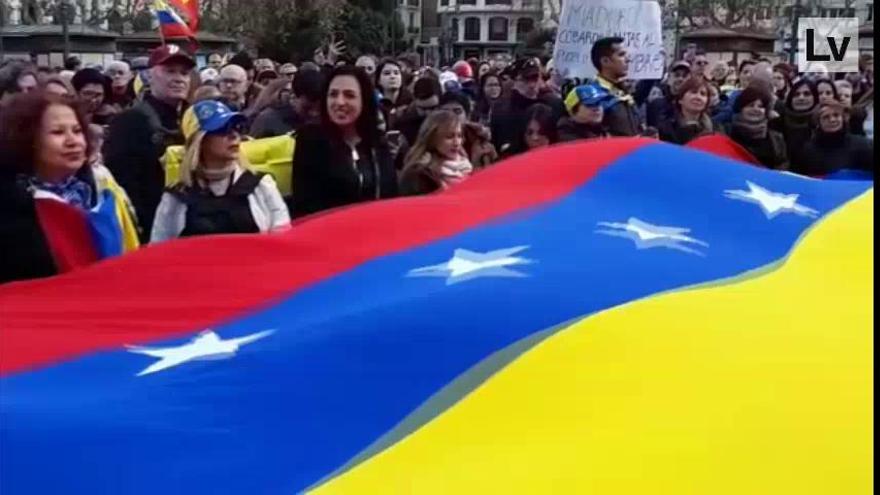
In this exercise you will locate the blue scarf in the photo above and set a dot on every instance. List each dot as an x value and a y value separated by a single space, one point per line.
74 190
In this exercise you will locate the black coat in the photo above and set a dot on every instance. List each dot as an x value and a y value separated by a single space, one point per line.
671 130
136 141
325 175
24 250
659 110
828 153
275 121
770 151
409 123
509 121
568 130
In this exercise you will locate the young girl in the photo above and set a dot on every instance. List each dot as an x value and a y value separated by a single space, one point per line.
437 160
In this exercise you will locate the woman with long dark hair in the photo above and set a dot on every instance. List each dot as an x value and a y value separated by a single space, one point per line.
394 96
796 123
345 159
490 92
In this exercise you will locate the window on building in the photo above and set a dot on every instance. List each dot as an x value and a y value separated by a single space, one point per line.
455 29
472 29
498 29
524 26
839 12
499 2
444 3
412 21
413 3
467 2
870 12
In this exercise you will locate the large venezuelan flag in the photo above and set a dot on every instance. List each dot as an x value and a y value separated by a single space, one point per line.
618 316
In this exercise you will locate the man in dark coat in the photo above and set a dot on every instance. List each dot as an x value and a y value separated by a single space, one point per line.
509 114
288 116
138 137
663 109
610 59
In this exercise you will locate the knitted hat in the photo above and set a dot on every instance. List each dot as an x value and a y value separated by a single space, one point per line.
749 96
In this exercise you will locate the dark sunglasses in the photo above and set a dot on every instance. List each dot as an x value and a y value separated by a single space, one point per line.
237 127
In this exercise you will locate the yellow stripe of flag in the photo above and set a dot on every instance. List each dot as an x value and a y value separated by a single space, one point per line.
759 386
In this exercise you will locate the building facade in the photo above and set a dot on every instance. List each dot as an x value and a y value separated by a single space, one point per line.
768 30
410 14
482 28
97 34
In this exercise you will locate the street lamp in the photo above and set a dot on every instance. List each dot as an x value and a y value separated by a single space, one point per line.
795 12
64 10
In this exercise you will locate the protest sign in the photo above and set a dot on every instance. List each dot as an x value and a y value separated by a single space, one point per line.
583 22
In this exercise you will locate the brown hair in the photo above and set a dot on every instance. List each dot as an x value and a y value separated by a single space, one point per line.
20 124
834 105
690 85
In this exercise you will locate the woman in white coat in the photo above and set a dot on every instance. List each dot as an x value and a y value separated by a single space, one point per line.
217 193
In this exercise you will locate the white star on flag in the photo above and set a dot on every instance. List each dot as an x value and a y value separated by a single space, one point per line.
206 346
468 265
647 236
770 202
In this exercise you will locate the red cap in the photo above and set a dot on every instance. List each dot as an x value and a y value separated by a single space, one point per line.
463 70
168 54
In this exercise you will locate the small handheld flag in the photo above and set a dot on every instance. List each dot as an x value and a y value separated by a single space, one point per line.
171 25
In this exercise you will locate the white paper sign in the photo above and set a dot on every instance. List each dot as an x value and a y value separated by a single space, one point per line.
584 21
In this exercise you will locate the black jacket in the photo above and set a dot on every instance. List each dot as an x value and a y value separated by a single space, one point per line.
671 130
24 250
275 121
326 175
508 123
770 151
660 109
568 130
408 123
828 153
136 141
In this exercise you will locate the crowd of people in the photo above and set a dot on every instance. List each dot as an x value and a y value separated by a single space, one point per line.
366 129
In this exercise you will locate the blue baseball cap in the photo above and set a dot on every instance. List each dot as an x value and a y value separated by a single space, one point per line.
587 95
213 116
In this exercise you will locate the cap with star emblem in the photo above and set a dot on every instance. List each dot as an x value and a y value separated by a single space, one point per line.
169 54
209 116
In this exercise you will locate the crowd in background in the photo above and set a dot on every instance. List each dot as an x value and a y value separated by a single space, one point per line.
367 129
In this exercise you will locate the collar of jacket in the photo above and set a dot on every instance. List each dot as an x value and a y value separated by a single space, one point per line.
616 91
518 100
169 115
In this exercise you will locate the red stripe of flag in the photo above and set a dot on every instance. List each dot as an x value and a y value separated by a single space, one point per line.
173 289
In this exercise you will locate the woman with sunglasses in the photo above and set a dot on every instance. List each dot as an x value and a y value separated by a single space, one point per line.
216 193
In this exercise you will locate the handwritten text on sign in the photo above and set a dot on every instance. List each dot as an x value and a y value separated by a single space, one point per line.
584 21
